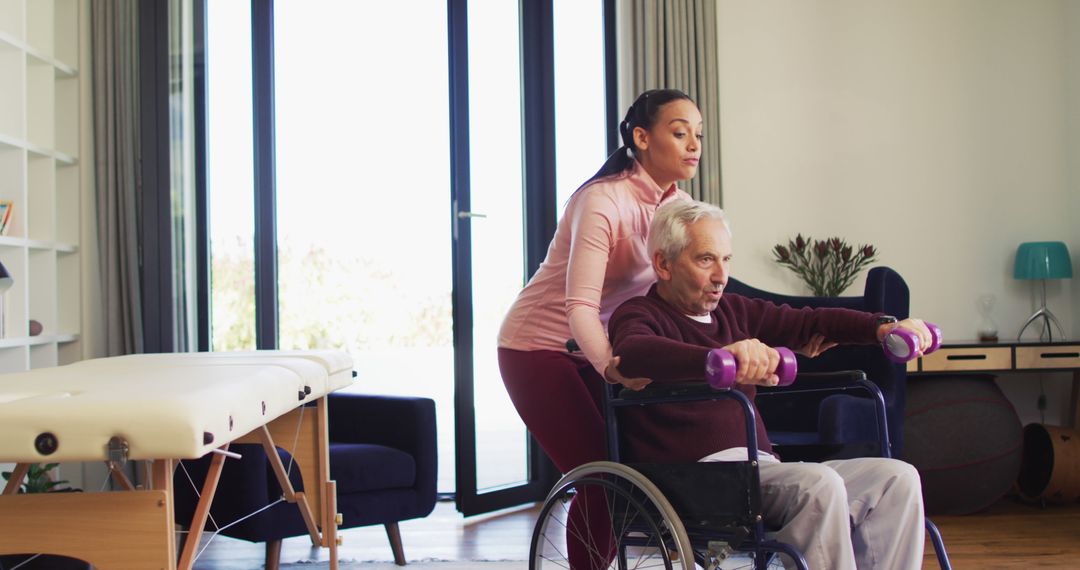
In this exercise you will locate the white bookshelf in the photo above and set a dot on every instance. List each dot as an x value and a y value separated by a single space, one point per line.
39 174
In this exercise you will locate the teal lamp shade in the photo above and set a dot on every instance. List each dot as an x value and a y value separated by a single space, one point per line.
1042 260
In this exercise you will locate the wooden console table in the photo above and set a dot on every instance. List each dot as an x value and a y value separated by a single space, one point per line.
1006 357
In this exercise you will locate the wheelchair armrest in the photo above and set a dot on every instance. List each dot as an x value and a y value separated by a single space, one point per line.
663 390
839 381
839 377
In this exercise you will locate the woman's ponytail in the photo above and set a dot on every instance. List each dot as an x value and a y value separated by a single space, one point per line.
641 114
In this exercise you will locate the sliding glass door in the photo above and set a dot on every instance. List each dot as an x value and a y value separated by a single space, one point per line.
363 183
378 151
492 443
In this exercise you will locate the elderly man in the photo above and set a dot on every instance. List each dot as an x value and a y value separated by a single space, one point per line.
855 513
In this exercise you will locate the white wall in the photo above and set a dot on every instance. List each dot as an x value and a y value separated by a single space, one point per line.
1072 20
940 132
932 129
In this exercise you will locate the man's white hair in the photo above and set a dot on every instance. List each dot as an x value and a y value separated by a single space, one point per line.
667 233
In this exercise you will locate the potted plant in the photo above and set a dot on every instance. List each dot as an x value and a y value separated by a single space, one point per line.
828 267
38 480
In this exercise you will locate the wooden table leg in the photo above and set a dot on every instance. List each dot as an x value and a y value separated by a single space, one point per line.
330 523
161 479
1074 405
15 481
202 510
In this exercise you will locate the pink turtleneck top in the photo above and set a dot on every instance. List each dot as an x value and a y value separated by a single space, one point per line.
596 260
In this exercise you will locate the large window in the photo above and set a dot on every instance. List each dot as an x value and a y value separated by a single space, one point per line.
371 246
363 170
580 136
497 240
229 175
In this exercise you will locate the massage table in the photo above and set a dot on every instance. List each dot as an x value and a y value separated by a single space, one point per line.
161 408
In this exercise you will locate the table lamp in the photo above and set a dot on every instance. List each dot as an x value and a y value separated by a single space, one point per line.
5 283
1043 260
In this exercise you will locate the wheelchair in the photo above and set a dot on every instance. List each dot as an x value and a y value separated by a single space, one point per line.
684 516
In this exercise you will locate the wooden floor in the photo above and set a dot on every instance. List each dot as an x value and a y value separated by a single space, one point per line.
1012 535
1008 535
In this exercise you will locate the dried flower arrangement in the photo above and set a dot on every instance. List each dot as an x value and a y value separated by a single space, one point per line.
827 266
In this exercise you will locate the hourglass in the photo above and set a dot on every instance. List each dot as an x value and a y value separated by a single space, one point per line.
987 327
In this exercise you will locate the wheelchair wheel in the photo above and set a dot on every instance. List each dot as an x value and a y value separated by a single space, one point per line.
644 530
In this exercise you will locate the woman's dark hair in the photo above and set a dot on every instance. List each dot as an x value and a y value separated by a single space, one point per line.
641 114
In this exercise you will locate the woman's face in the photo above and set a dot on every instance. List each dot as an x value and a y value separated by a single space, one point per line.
671 149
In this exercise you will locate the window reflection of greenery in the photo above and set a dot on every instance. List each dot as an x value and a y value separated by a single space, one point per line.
328 302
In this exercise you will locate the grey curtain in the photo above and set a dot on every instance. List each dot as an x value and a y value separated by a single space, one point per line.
672 45
115 37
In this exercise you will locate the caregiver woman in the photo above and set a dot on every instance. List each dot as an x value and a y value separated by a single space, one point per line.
596 260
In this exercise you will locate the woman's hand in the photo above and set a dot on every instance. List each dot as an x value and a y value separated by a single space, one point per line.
756 362
613 376
815 346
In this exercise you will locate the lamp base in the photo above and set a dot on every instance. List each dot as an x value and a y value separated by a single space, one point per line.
1047 318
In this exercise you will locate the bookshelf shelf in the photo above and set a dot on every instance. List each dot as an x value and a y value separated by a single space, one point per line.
39 175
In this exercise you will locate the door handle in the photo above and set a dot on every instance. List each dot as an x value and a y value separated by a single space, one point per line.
462 215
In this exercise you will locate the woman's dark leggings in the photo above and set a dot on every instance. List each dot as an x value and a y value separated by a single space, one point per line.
559 399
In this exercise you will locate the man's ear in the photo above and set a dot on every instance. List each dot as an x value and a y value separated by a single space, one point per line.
661 266
641 138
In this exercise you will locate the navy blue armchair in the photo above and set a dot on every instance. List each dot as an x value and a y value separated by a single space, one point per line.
382 456
840 420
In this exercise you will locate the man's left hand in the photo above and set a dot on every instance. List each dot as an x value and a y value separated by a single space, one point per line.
917 326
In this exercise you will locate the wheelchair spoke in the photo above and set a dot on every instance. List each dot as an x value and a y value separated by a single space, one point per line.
625 532
576 534
597 558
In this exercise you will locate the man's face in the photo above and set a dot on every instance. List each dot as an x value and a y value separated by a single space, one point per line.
695 280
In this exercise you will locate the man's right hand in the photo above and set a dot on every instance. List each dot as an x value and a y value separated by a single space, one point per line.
756 361
613 376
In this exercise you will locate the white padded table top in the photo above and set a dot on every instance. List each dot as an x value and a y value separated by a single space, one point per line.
164 405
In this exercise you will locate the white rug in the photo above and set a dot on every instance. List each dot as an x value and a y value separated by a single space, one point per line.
733 563
414 565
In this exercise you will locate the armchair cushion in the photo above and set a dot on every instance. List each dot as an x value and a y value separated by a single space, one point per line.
359 467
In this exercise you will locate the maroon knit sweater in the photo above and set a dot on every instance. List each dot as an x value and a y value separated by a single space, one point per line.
657 341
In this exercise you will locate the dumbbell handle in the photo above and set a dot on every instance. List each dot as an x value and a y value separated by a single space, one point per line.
721 367
901 345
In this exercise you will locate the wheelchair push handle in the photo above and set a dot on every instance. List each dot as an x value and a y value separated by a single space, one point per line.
721 366
902 345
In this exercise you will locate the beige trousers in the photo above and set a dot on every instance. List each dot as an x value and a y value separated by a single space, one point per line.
847 514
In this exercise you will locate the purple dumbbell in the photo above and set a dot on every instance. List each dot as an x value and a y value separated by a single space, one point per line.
902 345
720 368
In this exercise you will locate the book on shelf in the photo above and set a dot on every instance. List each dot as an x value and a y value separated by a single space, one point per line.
5 216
